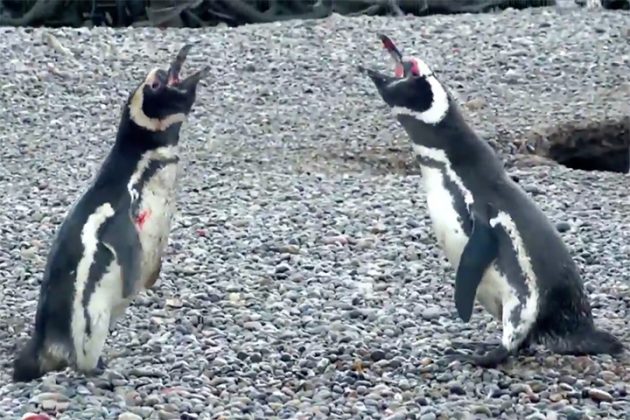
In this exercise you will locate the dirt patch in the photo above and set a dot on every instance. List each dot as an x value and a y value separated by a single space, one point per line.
374 160
590 146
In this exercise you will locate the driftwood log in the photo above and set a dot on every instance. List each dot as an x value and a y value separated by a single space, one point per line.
201 13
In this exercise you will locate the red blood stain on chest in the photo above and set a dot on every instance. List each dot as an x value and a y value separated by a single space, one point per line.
142 218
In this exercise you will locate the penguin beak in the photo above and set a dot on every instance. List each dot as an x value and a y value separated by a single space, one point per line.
174 71
391 48
379 79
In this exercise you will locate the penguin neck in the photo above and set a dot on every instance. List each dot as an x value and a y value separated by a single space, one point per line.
451 139
132 137
132 144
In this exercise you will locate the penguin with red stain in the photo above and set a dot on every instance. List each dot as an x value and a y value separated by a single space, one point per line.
110 246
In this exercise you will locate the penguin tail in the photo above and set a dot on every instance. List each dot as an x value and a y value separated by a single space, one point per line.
27 365
588 340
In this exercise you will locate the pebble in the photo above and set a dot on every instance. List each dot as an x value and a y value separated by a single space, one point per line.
599 395
563 227
129 416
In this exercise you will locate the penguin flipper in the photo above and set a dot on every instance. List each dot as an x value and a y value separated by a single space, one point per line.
479 252
124 238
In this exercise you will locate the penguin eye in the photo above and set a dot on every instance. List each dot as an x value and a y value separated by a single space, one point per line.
155 85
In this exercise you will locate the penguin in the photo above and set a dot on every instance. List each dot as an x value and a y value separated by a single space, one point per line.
506 254
110 245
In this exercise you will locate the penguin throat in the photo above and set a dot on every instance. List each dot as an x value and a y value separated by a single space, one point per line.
437 110
152 124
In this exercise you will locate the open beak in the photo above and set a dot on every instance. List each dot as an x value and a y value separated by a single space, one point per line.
378 78
176 67
391 48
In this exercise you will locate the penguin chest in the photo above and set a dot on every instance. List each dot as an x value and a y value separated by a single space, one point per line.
448 227
153 216
447 223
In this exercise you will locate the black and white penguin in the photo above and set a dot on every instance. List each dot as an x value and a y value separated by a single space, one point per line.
507 255
111 243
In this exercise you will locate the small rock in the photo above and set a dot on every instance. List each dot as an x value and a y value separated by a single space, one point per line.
143 411
379 228
174 303
146 372
456 389
54 396
399 415
476 104
339 239
49 405
167 415
377 355
432 312
512 76
129 416
283 268
252 325
365 243
599 395
425 361
563 227
482 409
289 249
518 388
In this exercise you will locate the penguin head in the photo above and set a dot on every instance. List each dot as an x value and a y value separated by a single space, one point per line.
413 90
163 98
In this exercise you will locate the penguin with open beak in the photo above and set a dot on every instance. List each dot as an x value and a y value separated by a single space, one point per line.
110 245
506 253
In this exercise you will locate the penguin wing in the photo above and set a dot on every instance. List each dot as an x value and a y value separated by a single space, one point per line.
123 237
479 252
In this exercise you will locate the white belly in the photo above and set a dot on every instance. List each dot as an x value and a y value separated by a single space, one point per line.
158 201
450 236
95 315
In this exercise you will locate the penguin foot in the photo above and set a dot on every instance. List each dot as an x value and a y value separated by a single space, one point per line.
490 359
101 366
475 346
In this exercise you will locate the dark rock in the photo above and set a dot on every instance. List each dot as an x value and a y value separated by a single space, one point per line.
563 227
456 389
377 355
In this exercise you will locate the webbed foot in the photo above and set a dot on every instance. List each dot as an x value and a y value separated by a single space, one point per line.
490 359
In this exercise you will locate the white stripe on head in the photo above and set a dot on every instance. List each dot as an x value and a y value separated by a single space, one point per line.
90 241
139 117
439 106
